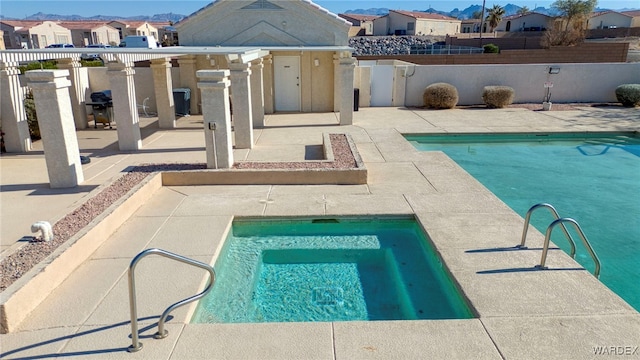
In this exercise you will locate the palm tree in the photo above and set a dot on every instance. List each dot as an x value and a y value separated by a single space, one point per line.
495 16
523 11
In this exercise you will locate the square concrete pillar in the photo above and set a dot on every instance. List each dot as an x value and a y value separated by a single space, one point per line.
78 91
55 119
347 66
241 93
164 93
268 85
214 87
337 83
257 93
14 119
189 80
125 109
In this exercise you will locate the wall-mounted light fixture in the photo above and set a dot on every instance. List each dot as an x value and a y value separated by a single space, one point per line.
554 70
316 62
284 23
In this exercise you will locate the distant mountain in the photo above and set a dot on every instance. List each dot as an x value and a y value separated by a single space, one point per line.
170 17
372 11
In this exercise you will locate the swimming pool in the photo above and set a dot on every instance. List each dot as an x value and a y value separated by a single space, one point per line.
591 177
282 270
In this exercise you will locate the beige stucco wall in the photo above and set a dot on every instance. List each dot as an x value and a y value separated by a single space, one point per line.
437 27
381 26
316 82
574 83
295 23
609 19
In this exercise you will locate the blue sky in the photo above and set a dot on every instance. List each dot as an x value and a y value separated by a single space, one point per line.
22 8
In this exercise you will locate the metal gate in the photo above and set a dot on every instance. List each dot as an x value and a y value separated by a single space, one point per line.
381 85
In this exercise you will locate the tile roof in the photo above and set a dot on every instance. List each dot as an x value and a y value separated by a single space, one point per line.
423 15
82 24
359 17
633 13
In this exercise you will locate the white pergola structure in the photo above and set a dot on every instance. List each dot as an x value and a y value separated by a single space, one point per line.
246 81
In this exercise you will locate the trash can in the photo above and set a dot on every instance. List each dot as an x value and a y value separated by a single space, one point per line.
356 99
182 101
102 107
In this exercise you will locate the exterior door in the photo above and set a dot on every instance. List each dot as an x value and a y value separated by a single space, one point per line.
286 78
381 85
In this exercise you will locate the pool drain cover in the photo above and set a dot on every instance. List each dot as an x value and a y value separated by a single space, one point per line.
328 296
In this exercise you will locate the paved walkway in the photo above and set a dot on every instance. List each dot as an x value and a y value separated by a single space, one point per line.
551 315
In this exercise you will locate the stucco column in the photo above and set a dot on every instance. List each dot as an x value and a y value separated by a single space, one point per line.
14 119
78 91
241 96
125 111
257 93
188 80
337 83
347 66
53 105
214 86
164 93
268 85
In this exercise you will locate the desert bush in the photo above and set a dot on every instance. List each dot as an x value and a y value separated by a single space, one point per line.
491 49
498 96
38 65
628 94
440 96
32 117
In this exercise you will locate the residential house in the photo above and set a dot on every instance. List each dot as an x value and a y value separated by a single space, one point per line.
134 28
470 26
635 14
528 22
167 34
33 34
362 22
300 42
85 33
421 23
609 20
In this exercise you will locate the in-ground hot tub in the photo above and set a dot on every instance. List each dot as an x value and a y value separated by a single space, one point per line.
281 270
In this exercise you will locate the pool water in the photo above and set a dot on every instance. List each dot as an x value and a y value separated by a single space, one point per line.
591 177
329 270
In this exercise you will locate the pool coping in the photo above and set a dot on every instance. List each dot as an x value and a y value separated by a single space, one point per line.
20 298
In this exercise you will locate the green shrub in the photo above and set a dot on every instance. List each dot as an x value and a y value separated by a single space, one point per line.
491 49
32 117
498 96
440 96
628 94
91 63
48 64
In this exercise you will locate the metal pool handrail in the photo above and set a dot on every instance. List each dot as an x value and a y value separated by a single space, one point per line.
554 212
586 243
162 333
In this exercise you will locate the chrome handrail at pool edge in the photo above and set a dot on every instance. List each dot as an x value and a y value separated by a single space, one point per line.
162 333
586 243
555 214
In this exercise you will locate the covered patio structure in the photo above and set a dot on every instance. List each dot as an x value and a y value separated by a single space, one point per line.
250 82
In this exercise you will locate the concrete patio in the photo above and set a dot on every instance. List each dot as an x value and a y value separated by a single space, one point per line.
561 314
